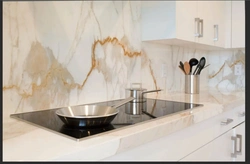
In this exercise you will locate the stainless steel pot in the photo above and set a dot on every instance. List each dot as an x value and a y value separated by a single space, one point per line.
90 115
139 104
138 92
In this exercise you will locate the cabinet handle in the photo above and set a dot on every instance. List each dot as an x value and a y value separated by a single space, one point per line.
240 149
235 152
197 27
242 114
215 32
228 121
201 28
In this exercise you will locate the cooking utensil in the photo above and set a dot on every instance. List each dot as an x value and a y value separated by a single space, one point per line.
90 115
186 68
182 69
182 65
192 62
199 65
138 92
206 66
202 64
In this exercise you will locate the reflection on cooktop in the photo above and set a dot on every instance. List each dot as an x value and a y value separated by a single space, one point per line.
80 132
154 109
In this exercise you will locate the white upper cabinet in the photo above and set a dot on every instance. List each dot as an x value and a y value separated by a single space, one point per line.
216 18
168 20
238 24
184 22
197 24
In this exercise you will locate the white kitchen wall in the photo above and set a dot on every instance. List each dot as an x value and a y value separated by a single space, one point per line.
60 53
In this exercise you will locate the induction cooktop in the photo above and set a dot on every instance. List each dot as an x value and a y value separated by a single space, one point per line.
155 108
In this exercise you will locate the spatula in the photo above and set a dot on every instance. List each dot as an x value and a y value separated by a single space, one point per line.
186 68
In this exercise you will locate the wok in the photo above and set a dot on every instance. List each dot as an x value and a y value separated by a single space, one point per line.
90 115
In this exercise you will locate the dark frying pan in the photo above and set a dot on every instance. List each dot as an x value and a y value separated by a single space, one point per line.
90 115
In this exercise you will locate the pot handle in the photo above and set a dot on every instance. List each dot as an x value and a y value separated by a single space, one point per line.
151 91
123 102
132 84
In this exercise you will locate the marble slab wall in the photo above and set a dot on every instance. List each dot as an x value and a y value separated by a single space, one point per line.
222 70
219 74
61 53
169 56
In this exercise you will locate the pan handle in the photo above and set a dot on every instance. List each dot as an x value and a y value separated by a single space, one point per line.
151 91
123 102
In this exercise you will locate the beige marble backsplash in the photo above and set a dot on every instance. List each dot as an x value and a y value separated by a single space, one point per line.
219 74
221 71
60 53
67 53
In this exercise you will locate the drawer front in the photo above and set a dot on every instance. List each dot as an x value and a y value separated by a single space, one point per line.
181 143
227 120
214 151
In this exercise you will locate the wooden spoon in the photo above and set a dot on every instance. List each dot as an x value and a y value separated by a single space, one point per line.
186 68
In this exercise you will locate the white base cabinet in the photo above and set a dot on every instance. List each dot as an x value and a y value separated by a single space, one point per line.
222 148
216 131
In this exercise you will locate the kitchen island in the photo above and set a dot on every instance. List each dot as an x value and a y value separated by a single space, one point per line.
25 142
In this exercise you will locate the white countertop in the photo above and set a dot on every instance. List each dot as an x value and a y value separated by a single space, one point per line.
25 142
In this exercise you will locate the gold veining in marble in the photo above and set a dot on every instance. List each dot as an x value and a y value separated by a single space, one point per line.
50 79
147 62
221 68
114 41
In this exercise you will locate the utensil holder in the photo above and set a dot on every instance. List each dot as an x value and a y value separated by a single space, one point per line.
192 84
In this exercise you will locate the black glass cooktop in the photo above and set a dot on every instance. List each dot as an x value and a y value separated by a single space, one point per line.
155 108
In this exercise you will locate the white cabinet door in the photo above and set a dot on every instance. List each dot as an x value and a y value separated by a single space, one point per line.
221 148
215 15
157 20
205 12
226 25
221 23
163 20
217 150
238 24
186 12
168 20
